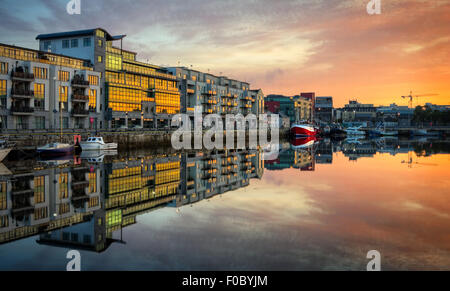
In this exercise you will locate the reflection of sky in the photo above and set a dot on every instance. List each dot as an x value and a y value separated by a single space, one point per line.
289 220
331 47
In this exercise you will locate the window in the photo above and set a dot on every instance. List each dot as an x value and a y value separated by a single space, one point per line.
65 122
74 43
65 43
39 96
100 33
3 68
39 122
39 190
93 80
63 97
3 124
100 59
92 99
63 76
47 45
86 41
100 43
63 186
3 93
40 73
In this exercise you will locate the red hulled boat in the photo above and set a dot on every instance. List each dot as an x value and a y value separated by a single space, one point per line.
299 130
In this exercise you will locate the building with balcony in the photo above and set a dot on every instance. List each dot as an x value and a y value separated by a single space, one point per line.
358 112
136 94
216 94
297 108
36 85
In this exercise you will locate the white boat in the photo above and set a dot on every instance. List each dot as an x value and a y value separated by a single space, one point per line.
355 131
97 143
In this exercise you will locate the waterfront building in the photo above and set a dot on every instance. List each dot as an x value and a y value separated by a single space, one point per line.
136 94
297 108
36 85
216 94
355 111
323 109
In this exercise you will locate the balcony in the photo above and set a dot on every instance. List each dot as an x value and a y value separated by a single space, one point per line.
22 110
80 98
22 93
78 82
80 112
22 76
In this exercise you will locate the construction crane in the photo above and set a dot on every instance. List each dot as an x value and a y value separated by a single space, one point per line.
411 97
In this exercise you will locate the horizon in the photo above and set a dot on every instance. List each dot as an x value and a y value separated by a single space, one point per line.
332 48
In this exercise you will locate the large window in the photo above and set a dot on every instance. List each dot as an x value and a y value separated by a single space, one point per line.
93 80
63 93
39 189
65 43
92 99
113 62
63 185
40 73
39 96
63 76
3 93
3 68
86 41
74 43
39 122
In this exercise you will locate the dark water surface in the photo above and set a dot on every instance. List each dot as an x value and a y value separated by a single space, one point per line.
321 207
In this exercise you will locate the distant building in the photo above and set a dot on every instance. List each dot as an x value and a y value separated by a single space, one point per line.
355 111
297 108
438 107
323 109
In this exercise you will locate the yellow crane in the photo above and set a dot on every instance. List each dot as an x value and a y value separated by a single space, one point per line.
411 97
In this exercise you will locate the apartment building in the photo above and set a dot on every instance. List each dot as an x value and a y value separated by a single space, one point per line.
46 91
323 109
297 108
216 94
136 94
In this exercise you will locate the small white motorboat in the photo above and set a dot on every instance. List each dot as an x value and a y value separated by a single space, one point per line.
97 143
56 149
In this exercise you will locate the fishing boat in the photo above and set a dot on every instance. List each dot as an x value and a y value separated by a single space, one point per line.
355 131
303 142
97 143
380 130
56 149
4 150
299 130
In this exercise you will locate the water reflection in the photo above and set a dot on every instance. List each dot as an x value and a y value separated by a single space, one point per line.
317 205
80 202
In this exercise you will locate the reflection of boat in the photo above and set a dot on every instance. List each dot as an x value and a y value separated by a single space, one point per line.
4 150
56 149
97 143
304 130
355 131
354 140
60 160
380 130
305 142
97 156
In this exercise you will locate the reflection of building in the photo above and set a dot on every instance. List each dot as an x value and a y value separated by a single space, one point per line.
136 93
302 159
35 85
86 206
207 174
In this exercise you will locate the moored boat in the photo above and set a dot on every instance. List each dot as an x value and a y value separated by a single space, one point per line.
55 149
299 130
355 131
97 143
303 142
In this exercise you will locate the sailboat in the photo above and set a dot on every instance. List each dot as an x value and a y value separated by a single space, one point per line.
56 148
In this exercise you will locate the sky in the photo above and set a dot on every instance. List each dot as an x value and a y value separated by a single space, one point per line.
331 47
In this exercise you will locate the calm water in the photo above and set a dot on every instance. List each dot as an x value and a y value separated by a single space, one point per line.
321 207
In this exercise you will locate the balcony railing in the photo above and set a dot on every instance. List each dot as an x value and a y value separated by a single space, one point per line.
22 75
22 93
77 111
80 83
22 109
80 98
